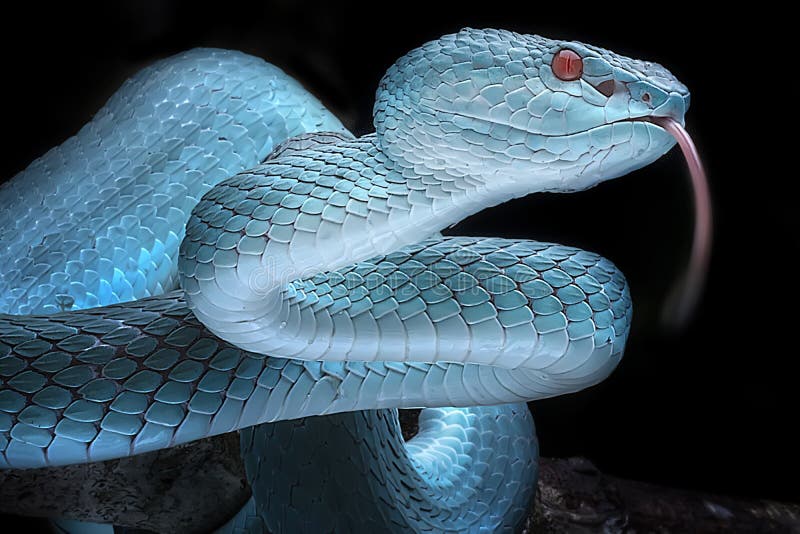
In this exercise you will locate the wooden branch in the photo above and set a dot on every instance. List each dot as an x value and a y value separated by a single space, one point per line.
198 486
574 496
194 487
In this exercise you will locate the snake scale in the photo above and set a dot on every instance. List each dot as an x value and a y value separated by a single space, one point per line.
215 251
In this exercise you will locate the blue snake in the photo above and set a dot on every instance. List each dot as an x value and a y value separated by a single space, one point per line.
214 252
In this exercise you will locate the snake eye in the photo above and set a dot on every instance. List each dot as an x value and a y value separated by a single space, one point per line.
567 65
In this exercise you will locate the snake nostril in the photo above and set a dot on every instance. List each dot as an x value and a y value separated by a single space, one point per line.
606 88
646 98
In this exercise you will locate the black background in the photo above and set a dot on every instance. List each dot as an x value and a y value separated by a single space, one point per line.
712 407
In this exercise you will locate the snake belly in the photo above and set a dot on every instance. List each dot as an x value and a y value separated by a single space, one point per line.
315 283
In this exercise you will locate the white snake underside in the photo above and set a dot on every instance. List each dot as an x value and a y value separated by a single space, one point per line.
316 283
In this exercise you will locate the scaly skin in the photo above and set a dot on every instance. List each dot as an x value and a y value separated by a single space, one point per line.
317 283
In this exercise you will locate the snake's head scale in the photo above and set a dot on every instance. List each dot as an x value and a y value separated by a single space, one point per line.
514 114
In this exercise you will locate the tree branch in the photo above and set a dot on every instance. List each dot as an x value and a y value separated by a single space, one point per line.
574 496
194 487
198 486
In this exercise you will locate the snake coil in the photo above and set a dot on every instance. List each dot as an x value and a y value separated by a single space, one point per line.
314 280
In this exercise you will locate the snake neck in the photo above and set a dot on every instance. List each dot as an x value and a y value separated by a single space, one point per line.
332 206
441 171
310 213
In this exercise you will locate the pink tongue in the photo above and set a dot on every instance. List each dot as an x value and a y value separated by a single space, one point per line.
681 303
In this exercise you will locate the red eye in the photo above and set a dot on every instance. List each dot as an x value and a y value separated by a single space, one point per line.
567 65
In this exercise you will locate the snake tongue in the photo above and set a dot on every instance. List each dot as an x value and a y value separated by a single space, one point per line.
681 303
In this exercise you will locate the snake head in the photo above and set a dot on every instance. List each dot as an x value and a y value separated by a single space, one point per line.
512 113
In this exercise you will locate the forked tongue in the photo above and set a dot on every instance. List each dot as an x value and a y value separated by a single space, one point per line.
681 302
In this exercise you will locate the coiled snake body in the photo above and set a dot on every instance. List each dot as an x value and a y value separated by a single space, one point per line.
314 280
